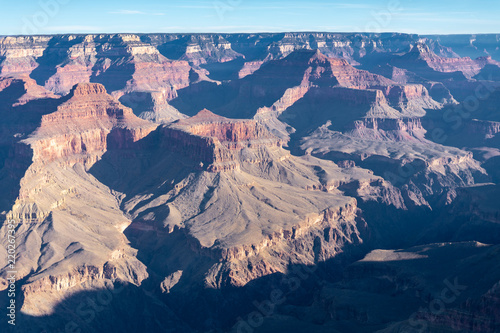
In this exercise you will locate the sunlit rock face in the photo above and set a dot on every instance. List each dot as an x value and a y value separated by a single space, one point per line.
192 177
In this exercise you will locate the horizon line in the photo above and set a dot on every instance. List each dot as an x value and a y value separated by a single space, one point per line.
249 33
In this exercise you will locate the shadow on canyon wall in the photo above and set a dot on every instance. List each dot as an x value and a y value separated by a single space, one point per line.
18 122
301 295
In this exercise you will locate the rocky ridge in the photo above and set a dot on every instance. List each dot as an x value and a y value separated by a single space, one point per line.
244 175
213 206
57 253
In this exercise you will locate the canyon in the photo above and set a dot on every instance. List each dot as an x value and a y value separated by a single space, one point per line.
193 177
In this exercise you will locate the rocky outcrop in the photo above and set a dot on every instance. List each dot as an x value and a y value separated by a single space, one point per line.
18 54
150 76
268 116
412 99
120 62
487 129
344 73
216 141
232 194
324 71
389 129
54 287
78 131
398 151
436 90
440 93
197 48
57 198
249 68
316 239
423 61
153 105
409 98
25 88
448 65
326 79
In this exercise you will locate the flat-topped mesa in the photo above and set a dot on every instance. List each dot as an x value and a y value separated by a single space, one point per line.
216 141
86 89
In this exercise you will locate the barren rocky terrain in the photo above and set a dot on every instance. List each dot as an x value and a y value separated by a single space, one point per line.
302 182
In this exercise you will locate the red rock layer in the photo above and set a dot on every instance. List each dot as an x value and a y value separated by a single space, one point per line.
30 90
79 130
119 61
152 76
215 141
334 71
447 65
19 53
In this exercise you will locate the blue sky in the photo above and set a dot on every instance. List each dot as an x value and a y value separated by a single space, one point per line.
91 16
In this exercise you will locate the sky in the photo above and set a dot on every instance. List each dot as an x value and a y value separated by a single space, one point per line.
149 16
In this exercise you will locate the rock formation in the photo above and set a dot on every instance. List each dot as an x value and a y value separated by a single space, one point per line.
354 173
57 198
83 126
243 200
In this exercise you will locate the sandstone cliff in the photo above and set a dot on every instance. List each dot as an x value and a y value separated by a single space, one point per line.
78 131
240 199
70 225
215 208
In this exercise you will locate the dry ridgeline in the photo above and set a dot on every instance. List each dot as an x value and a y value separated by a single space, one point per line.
251 182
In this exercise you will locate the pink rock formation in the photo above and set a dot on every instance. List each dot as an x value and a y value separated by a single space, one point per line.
465 65
214 140
31 90
78 131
